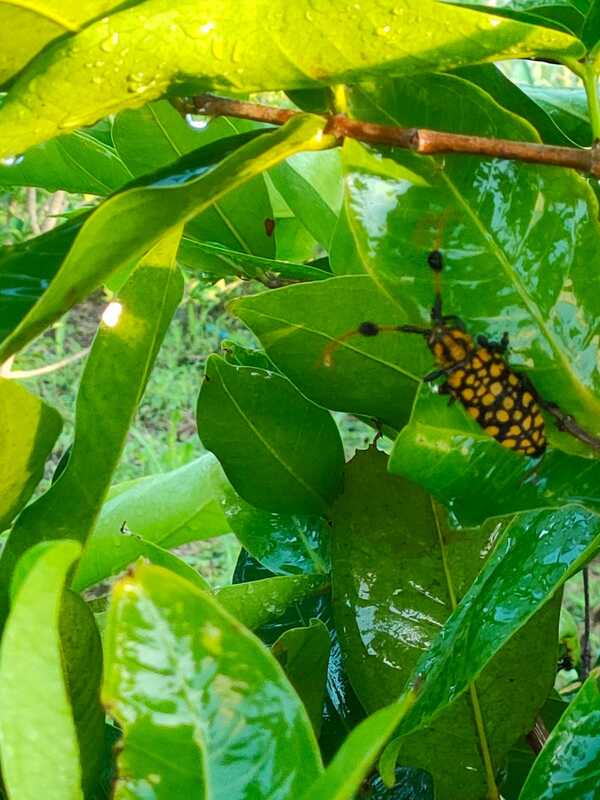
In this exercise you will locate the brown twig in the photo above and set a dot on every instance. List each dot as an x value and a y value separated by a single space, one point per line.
420 140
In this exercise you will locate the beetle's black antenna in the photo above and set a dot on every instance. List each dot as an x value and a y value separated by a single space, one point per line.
369 329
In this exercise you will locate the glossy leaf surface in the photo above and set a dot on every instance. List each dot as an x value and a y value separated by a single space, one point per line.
284 543
28 432
248 416
475 477
299 325
536 555
106 403
38 736
146 214
168 509
26 28
82 162
199 698
304 654
147 49
568 768
255 603
393 592
508 267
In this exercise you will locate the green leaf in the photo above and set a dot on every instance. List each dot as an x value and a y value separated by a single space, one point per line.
149 48
81 652
299 325
470 473
310 184
26 28
171 648
283 543
568 768
559 14
554 113
567 108
501 274
123 228
27 268
304 654
257 602
27 435
394 591
81 162
215 261
167 510
258 419
536 555
38 735
107 401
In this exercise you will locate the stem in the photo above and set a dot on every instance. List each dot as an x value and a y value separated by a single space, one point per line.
586 649
590 83
420 140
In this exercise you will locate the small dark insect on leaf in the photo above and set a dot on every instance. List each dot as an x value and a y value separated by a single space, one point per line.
269 226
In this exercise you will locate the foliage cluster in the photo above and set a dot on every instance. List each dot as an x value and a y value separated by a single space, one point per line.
392 628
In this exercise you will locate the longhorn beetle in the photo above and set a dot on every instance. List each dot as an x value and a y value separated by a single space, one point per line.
501 400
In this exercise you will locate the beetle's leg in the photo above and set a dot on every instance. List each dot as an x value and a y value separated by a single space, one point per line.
494 347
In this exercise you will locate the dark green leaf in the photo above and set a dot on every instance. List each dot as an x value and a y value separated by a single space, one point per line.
469 472
567 108
285 544
167 510
38 735
250 417
568 768
106 403
81 653
144 52
28 432
304 654
394 590
257 602
300 325
230 702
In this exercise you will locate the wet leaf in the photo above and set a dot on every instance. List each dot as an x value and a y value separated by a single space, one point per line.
171 648
27 435
568 768
304 653
299 325
168 509
125 227
248 416
27 28
145 51
475 477
38 734
508 266
106 403
538 552
284 543
394 590
255 603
